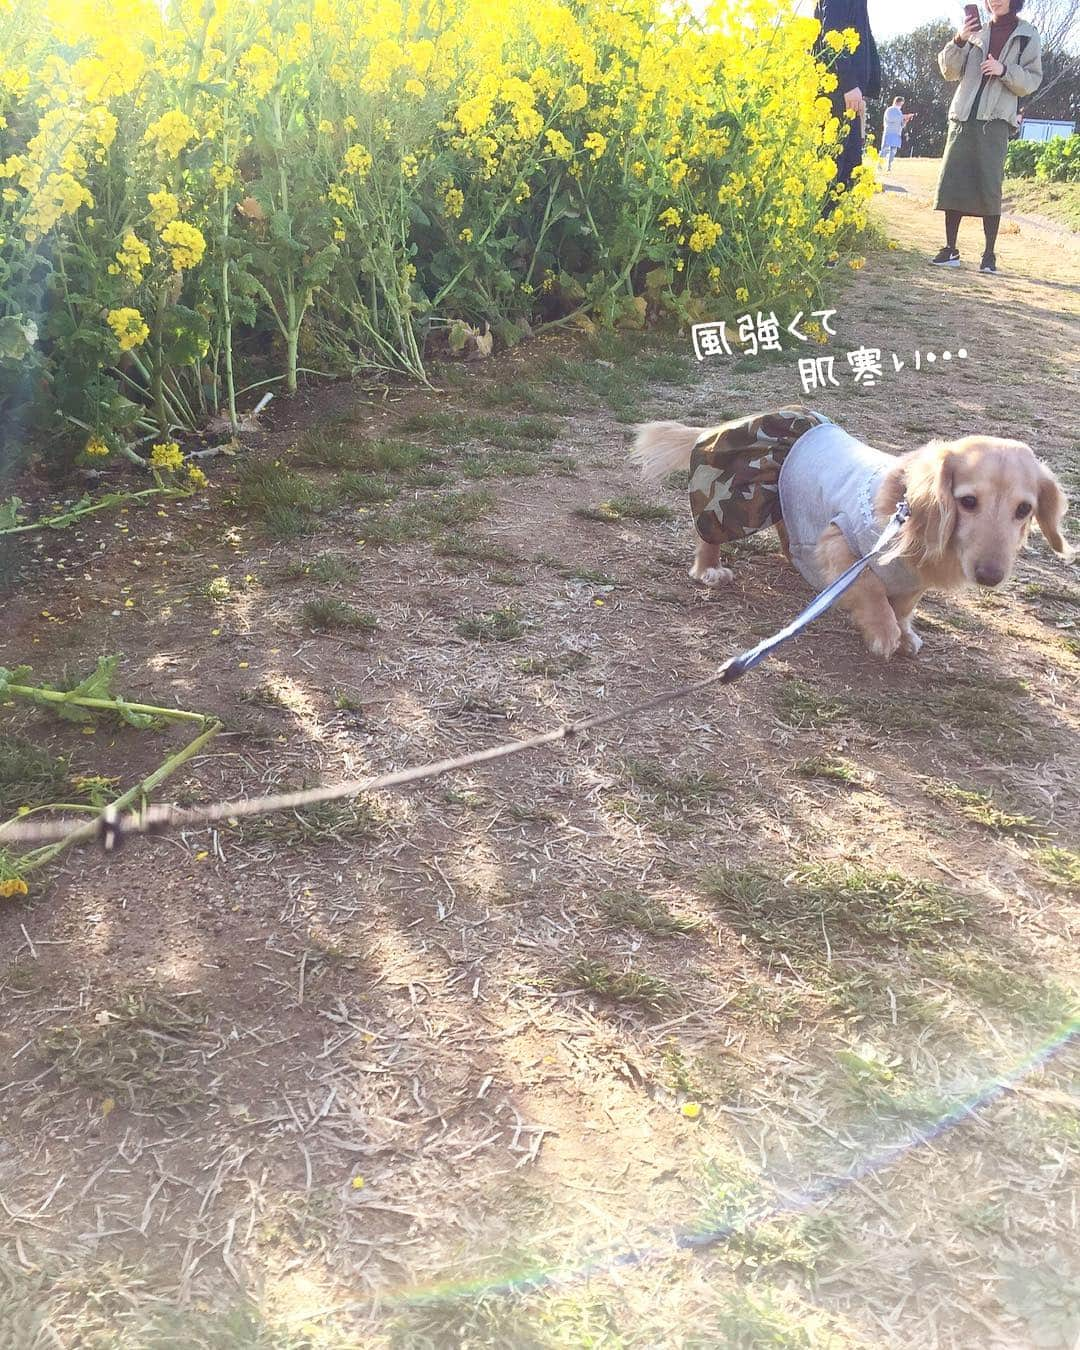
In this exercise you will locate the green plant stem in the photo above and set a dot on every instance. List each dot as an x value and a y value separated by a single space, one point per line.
41 856
68 517
36 695
157 381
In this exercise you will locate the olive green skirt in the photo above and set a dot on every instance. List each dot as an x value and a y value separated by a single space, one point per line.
973 168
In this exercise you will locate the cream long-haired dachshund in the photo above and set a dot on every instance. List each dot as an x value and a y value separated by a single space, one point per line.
972 503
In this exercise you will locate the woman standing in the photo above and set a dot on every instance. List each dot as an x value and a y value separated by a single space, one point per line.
996 64
893 130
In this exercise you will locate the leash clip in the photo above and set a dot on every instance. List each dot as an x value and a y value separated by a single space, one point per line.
110 831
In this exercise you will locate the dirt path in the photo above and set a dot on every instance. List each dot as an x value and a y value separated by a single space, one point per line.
366 1077
918 178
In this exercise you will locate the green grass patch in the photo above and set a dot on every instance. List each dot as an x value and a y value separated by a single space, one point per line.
671 787
447 511
979 807
454 428
363 488
617 369
327 614
284 502
625 508
359 455
30 775
635 988
1002 988
452 510
339 822
1061 865
501 466
801 705
520 394
841 902
218 590
143 1054
988 713
829 769
768 1006
328 568
1058 201
576 572
502 625
475 550
565 663
648 915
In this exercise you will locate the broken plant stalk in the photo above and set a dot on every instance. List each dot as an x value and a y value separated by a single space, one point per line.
39 857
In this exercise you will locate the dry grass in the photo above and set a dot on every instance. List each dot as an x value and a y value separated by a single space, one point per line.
138 1052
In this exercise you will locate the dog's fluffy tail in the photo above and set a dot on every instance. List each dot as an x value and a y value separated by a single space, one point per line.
663 447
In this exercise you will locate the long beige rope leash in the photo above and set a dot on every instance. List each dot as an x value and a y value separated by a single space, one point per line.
111 827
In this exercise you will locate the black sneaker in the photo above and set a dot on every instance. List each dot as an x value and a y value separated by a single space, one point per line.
988 264
948 257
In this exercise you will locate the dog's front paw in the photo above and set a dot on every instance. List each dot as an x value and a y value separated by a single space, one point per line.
911 643
883 642
711 576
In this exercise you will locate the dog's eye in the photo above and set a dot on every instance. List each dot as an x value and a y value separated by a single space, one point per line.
968 503
1023 511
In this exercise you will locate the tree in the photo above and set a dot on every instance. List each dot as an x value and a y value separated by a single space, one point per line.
1058 22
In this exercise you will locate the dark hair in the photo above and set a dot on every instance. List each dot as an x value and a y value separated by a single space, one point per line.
1015 6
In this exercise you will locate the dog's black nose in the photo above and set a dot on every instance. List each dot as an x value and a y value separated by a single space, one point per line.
989 574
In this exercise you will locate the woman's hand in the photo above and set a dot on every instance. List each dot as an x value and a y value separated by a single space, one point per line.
992 67
970 28
854 101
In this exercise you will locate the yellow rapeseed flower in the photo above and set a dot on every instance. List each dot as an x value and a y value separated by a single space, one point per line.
558 144
167 456
164 207
132 258
129 327
358 160
171 134
186 244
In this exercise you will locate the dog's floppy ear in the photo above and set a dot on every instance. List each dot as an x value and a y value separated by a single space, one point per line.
928 480
1050 511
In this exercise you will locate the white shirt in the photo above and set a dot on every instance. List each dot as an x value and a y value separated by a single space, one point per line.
830 478
894 119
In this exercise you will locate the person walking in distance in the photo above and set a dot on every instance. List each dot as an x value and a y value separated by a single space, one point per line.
994 65
858 75
892 136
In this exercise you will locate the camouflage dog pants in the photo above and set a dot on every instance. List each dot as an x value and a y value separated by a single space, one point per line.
734 471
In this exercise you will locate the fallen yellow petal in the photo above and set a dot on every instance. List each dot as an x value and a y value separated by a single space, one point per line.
691 1110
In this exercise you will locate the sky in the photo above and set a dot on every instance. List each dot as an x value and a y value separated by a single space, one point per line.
889 17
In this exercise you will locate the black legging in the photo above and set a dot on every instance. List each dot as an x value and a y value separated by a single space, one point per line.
952 228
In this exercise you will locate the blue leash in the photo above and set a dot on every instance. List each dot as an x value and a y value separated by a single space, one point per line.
737 666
